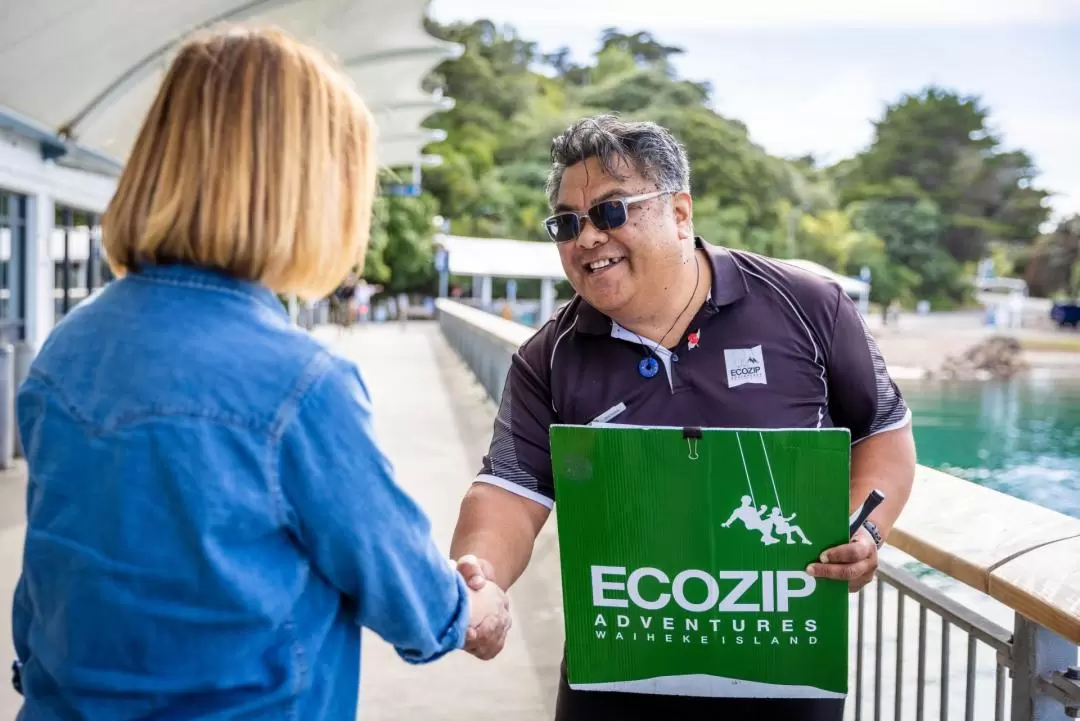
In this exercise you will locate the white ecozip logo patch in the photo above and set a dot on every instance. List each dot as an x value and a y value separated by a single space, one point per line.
744 365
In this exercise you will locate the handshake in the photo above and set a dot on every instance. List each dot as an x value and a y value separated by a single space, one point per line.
489 609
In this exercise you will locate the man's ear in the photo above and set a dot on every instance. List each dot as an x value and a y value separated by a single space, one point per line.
683 208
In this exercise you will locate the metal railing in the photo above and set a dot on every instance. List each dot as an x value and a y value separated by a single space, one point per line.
992 679
904 665
911 619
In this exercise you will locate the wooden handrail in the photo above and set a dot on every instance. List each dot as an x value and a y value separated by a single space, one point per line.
1022 554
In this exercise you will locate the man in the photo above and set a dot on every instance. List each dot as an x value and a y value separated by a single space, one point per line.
645 339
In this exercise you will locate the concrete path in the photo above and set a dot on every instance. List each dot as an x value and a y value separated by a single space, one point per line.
12 527
435 422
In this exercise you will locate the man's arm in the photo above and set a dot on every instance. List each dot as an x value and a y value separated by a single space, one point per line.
864 399
499 527
885 462
506 507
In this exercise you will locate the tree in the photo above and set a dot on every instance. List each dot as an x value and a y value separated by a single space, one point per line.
891 283
831 239
642 48
400 252
935 189
937 145
1054 265
725 164
911 234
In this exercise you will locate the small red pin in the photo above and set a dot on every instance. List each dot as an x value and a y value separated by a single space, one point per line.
693 339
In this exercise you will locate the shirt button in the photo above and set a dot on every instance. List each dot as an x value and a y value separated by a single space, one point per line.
675 357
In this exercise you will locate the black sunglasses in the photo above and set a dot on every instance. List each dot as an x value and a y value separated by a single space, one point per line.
605 215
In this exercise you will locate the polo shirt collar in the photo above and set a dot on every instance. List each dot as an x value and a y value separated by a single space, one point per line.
728 286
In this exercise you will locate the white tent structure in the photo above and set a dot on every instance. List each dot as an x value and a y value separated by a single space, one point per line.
488 258
76 79
83 74
858 289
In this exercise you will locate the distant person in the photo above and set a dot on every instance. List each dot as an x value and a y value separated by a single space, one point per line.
341 303
663 322
403 308
211 520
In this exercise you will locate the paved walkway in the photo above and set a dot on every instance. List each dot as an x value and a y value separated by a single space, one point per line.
12 518
435 422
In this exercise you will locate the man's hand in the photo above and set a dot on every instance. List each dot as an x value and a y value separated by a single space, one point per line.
489 611
853 562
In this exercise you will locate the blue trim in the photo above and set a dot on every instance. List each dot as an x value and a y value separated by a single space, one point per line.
52 146
56 148
83 158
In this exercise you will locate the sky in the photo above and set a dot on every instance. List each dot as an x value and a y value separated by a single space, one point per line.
810 77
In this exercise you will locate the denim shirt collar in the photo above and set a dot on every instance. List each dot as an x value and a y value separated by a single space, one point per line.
209 278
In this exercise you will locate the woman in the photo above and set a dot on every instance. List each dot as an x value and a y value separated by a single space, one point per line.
210 520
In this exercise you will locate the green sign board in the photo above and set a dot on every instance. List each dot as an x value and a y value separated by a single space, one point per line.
683 558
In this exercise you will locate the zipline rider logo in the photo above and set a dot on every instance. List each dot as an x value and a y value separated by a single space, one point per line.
684 553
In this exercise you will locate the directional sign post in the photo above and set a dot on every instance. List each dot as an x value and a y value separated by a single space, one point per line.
442 267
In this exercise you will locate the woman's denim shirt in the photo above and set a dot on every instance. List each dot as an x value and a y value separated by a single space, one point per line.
210 519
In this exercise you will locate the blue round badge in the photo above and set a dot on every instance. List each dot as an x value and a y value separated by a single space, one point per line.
648 367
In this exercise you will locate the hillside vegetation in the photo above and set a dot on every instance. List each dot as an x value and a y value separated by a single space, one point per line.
934 192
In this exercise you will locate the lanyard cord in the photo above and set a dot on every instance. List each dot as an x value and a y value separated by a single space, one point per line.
697 282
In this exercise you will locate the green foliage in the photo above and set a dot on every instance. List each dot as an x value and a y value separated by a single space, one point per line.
399 254
912 233
1053 268
938 145
934 191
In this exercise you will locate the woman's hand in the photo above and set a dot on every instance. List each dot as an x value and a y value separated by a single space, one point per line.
489 619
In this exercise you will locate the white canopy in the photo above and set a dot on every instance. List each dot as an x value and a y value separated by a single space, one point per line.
851 286
86 70
501 257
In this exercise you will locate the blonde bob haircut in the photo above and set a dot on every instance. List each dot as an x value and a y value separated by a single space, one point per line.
255 159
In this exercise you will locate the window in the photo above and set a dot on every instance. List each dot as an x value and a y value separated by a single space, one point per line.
12 266
79 266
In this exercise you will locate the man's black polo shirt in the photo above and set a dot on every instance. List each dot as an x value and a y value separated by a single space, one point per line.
774 346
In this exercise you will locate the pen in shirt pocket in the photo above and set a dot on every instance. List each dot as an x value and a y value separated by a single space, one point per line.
609 414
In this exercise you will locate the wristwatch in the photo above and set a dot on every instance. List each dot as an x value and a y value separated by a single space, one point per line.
872 529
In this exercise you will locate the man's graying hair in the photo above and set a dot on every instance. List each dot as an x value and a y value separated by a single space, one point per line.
650 148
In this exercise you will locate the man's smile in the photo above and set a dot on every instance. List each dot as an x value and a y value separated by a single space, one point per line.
598 266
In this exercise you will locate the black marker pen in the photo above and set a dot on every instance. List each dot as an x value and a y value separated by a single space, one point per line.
863 512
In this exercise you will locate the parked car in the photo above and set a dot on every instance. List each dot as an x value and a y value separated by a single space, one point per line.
1066 314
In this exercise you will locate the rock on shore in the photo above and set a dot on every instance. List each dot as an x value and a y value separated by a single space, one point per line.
995 357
